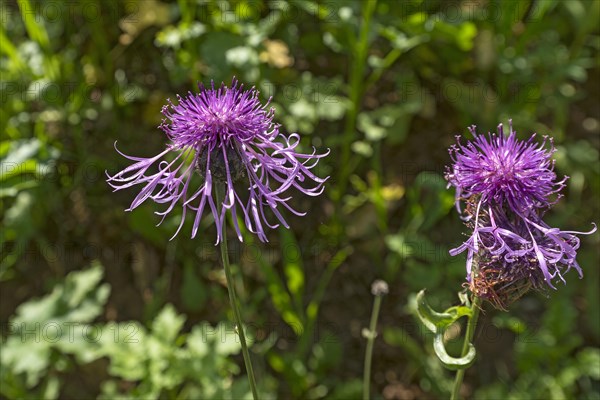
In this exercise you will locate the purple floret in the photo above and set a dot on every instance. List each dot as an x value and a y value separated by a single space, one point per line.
507 186
224 135
502 169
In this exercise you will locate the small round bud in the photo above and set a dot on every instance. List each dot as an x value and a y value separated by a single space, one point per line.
379 288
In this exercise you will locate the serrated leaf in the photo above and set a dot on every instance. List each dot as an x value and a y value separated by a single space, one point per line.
167 324
79 285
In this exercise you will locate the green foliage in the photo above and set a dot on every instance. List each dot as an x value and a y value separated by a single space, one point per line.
385 85
164 361
27 166
44 332
437 323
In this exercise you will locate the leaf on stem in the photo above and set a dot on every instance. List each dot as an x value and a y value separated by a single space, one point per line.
437 323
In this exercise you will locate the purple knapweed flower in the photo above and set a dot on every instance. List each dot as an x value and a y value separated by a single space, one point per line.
219 137
507 185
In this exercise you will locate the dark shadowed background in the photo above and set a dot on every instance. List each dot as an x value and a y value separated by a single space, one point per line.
98 302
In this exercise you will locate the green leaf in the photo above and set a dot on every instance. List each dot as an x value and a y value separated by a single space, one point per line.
79 299
589 362
242 56
167 324
450 362
127 349
282 300
347 390
79 285
435 321
197 341
292 267
57 321
465 36
362 148
227 341
35 30
29 357
8 48
372 131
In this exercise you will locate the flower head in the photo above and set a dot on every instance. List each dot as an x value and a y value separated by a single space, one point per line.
507 185
502 169
219 137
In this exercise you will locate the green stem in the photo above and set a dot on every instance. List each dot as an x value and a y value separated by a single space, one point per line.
356 89
370 343
233 298
460 374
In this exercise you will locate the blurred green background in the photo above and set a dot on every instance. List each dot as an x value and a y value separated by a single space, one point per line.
97 302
